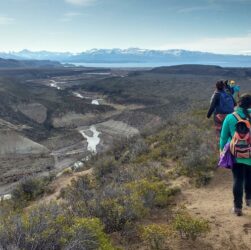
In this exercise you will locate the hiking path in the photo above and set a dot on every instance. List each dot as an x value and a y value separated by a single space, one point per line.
214 203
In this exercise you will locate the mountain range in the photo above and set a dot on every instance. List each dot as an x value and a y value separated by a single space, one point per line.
134 55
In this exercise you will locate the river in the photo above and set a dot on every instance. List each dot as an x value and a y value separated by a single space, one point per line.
92 140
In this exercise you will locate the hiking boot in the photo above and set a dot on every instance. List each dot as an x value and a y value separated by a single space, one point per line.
248 202
237 211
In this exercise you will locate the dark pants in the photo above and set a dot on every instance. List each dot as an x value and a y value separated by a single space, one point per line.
242 179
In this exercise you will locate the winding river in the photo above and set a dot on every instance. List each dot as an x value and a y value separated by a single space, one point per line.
95 102
93 140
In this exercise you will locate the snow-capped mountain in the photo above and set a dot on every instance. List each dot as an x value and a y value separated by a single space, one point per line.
43 55
134 55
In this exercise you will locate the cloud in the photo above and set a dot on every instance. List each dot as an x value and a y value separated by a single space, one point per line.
194 9
233 45
81 2
4 20
69 16
205 5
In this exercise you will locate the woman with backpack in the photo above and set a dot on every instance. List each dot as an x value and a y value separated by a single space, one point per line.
228 88
236 130
221 105
236 90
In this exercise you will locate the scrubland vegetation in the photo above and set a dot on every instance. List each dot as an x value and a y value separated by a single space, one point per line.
130 198
128 185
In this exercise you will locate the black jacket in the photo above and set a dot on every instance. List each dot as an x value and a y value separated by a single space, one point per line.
215 101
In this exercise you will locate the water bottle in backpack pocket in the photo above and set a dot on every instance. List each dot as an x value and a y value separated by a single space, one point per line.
240 145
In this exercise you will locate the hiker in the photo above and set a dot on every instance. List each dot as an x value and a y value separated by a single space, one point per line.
221 105
228 88
235 90
236 128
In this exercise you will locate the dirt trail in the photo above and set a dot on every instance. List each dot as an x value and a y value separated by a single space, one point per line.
214 202
61 183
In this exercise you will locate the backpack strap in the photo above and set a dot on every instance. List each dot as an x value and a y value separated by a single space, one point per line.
237 116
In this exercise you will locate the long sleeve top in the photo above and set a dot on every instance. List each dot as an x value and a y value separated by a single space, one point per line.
228 130
215 101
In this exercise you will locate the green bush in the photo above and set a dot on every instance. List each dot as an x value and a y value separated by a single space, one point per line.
51 227
29 189
156 236
113 204
116 213
103 167
119 194
81 195
126 150
152 193
190 143
189 227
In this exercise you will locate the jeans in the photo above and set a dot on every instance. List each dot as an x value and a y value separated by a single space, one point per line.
242 179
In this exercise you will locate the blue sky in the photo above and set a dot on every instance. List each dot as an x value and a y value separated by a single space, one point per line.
221 26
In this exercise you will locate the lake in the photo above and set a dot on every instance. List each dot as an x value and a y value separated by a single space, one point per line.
154 64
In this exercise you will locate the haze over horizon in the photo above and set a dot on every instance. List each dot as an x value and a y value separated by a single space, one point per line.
125 49
78 25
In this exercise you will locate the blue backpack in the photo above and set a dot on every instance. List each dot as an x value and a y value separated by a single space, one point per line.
226 105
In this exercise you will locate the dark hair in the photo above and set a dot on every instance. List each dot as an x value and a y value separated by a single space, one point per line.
226 82
220 85
245 103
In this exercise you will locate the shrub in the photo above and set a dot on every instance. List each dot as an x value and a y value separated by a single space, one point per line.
116 213
156 236
114 204
189 227
112 214
29 189
126 150
152 193
131 232
87 232
119 195
189 142
203 178
67 171
51 227
81 195
103 167
129 173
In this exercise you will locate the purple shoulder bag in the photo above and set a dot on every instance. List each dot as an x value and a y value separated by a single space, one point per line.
226 158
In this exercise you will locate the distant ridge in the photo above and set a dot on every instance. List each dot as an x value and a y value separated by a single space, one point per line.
135 55
12 63
203 70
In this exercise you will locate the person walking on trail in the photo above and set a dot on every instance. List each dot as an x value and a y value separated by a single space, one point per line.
221 105
228 88
235 90
236 130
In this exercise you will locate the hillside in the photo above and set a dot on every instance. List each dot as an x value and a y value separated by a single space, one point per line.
53 105
204 70
16 144
11 63
114 159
